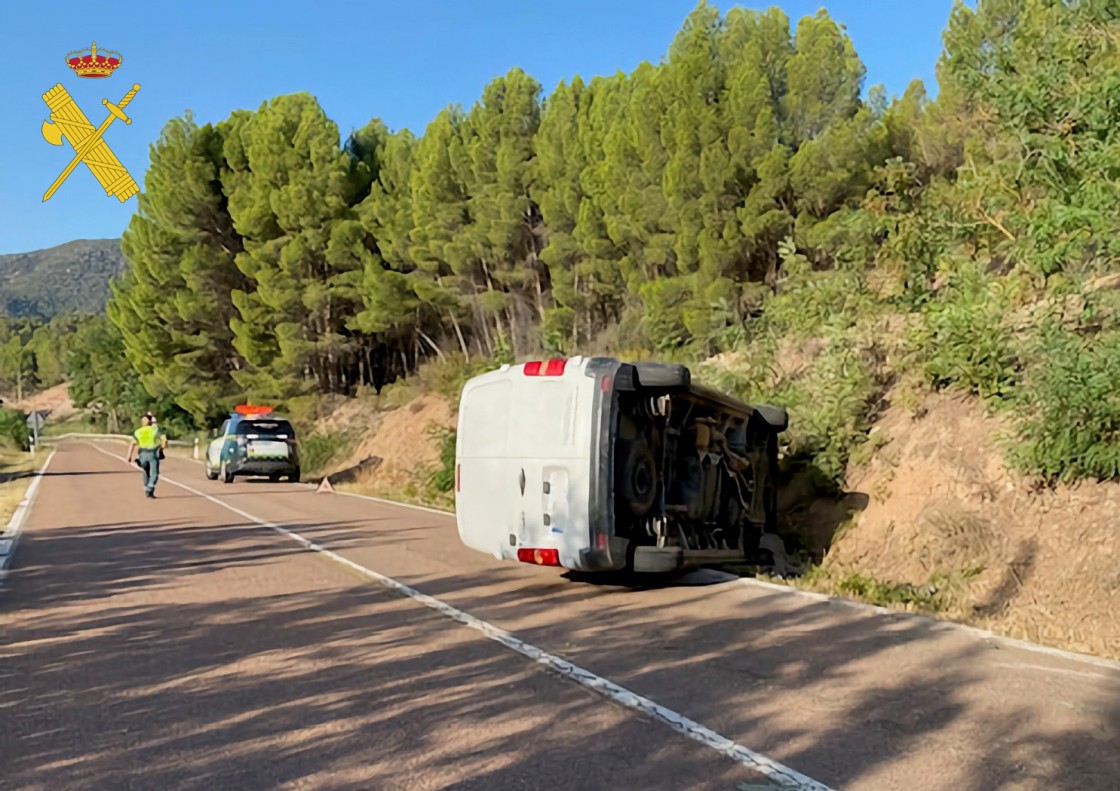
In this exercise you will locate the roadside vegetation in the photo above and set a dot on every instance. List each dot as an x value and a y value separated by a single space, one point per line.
743 206
738 203
16 463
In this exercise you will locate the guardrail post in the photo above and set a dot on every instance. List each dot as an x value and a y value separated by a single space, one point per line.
196 448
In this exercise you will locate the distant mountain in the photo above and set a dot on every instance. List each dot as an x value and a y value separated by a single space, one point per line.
71 278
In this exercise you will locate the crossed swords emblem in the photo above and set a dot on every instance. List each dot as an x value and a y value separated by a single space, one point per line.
70 123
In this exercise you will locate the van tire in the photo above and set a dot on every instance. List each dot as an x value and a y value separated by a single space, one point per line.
662 375
775 417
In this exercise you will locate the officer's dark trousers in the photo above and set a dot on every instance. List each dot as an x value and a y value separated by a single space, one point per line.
149 463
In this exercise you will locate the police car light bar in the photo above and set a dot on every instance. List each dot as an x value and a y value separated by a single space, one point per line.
246 409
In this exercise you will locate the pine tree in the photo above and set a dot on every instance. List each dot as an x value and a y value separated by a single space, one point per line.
305 251
173 305
503 238
556 188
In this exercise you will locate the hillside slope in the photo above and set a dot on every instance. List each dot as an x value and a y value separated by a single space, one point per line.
947 525
70 278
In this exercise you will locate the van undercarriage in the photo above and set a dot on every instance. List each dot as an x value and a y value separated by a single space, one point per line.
694 476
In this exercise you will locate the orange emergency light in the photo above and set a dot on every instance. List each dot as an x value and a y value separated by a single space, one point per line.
247 409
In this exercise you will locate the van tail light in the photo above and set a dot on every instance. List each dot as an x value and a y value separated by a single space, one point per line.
554 367
541 557
457 479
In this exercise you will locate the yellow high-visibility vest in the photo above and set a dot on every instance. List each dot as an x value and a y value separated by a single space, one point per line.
147 437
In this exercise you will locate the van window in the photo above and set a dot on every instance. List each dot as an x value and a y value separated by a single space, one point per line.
486 415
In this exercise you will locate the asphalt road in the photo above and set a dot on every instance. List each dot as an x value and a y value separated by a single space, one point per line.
178 643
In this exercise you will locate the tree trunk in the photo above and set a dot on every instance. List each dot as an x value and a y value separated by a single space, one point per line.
514 346
482 321
430 342
458 333
540 292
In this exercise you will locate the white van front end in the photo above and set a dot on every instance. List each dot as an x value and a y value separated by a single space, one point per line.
532 474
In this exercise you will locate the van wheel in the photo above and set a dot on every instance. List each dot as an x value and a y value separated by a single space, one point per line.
227 476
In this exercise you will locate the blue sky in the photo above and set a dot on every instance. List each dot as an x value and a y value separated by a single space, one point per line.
401 61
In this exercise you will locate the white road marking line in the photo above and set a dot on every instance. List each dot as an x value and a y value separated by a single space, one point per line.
1060 670
936 624
839 601
9 539
779 773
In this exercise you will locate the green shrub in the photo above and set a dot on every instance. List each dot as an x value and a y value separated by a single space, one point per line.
829 409
828 404
965 339
13 428
885 594
316 451
1070 407
443 478
808 302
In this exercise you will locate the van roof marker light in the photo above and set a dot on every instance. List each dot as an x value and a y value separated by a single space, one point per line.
553 367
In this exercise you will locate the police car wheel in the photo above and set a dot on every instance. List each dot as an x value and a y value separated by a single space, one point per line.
227 476
211 475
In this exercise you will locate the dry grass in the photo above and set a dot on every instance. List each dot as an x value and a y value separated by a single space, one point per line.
15 476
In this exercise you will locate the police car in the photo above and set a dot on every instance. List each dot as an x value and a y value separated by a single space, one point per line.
252 441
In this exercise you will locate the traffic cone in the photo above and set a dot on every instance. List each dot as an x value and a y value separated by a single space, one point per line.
325 486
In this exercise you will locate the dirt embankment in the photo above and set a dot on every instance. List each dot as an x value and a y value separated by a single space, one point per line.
942 511
405 440
54 402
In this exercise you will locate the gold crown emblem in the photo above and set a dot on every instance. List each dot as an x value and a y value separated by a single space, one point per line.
91 63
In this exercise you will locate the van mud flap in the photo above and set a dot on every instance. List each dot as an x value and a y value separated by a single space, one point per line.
658 560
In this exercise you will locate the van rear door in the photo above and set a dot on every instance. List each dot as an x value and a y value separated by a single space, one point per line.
524 462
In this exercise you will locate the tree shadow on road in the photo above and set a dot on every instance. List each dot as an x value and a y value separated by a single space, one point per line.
110 680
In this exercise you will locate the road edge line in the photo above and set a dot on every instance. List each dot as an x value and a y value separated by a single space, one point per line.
14 529
789 778
837 601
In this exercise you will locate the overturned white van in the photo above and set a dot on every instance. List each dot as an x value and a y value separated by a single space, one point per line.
594 464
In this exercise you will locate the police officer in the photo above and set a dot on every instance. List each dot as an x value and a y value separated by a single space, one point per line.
151 441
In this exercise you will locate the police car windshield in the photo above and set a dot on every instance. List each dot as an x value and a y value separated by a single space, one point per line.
265 428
